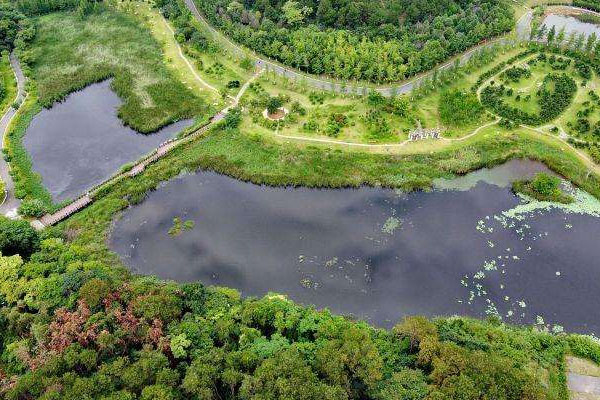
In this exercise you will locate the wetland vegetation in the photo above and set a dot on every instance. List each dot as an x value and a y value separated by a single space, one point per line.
76 322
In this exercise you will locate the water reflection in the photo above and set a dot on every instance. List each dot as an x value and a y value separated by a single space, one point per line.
373 253
80 142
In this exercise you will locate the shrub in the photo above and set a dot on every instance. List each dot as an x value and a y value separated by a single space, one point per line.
458 108
18 237
32 208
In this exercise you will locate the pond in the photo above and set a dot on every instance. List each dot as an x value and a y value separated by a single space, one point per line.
80 142
470 247
571 24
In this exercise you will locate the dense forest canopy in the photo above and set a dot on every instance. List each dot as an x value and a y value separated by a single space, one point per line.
378 41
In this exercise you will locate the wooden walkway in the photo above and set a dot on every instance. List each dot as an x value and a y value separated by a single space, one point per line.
139 167
51 219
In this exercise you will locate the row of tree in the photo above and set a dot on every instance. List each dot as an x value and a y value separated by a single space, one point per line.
387 41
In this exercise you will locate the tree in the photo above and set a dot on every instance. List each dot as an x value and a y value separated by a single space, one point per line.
551 35
591 41
273 104
541 32
18 237
233 118
560 38
293 13
287 376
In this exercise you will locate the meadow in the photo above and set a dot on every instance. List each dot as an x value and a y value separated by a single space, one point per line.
69 53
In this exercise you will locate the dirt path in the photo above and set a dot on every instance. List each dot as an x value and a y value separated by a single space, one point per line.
10 204
583 379
184 58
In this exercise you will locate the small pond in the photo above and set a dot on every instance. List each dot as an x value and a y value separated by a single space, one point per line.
471 247
80 142
571 24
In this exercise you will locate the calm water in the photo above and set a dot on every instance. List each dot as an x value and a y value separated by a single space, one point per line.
373 253
571 24
80 142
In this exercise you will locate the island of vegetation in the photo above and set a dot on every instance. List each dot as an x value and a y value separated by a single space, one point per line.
75 323
543 187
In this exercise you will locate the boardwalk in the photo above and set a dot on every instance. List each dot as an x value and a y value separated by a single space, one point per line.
51 219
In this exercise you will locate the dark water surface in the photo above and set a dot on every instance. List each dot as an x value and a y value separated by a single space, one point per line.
80 142
374 253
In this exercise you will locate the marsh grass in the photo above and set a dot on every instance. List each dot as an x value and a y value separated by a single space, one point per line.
70 53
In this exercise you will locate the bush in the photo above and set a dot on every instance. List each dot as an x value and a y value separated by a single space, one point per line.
32 208
458 108
543 187
18 237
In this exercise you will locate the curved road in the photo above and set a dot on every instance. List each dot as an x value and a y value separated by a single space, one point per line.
10 204
522 29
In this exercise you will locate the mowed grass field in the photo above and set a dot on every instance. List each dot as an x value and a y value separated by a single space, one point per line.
69 53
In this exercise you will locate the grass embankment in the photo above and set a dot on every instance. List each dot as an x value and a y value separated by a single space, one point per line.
70 53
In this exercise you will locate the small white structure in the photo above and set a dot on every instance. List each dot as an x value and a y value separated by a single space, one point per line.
282 109
420 134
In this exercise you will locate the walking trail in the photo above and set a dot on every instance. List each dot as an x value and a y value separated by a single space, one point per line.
10 204
583 379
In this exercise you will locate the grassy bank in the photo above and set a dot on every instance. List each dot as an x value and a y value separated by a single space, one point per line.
69 53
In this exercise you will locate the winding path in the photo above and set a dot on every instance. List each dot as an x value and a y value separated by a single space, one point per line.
522 29
10 204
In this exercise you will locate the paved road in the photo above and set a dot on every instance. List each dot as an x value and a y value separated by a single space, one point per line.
10 204
522 29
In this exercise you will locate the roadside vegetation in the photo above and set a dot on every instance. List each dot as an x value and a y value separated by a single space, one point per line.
8 86
543 187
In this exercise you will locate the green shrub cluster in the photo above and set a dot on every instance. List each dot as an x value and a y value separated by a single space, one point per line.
458 108
543 187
